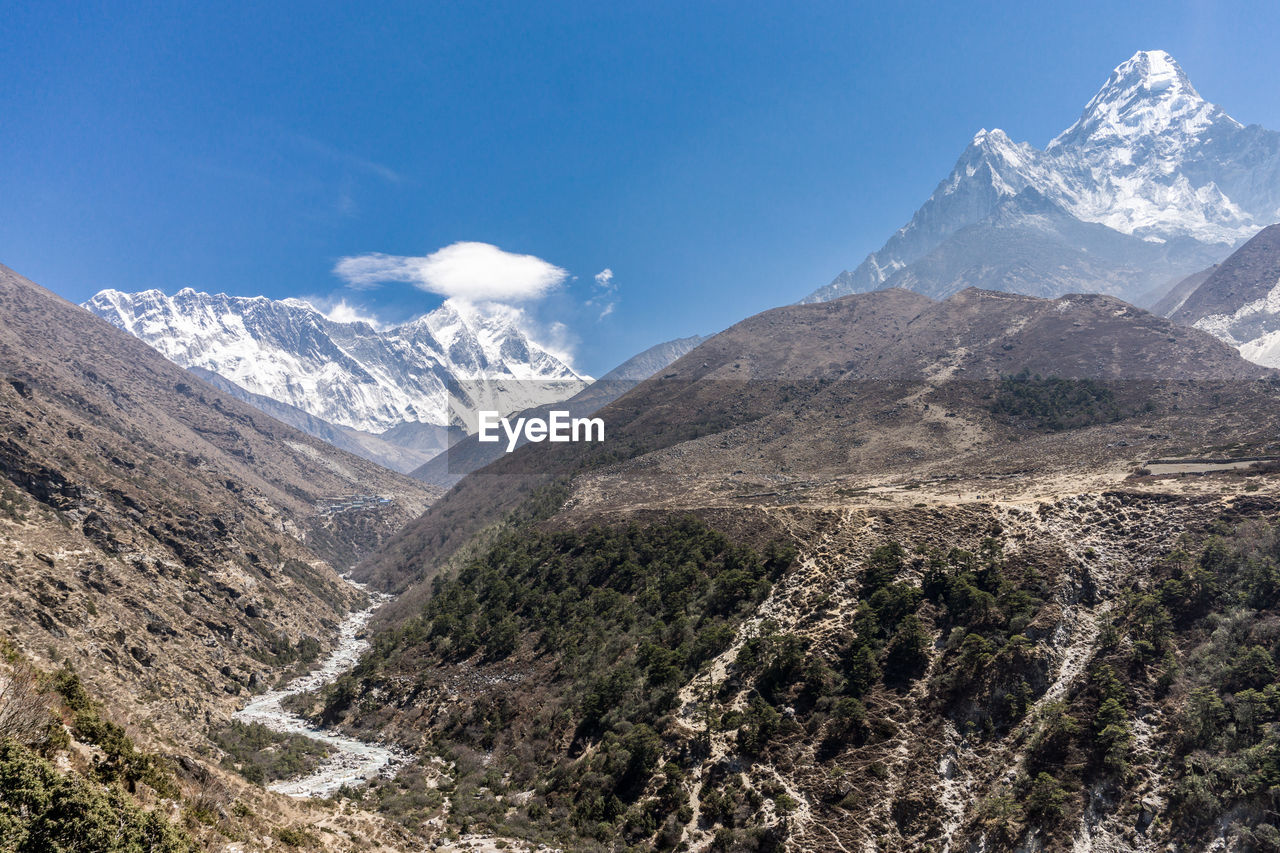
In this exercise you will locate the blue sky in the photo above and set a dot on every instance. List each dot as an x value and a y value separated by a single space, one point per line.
719 158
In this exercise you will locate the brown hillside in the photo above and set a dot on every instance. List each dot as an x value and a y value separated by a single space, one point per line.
160 536
878 387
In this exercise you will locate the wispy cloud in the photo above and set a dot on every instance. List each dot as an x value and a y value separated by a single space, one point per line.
340 310
604 294
346 159
475 272
553 337
344 312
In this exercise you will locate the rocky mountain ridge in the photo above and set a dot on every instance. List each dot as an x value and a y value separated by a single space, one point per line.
877 388
468 454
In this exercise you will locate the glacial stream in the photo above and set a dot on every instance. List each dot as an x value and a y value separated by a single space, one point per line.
351 762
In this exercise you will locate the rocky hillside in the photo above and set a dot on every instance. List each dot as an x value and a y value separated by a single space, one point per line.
880 573
885 387
1093 672
173 545
1150 184
469 454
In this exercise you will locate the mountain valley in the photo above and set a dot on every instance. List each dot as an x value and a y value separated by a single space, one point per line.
880 572
967 551
162 544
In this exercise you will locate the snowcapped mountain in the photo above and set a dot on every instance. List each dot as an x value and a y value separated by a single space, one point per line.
436 369
1151 183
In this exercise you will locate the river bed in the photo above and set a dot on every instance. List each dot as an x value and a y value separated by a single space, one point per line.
351 762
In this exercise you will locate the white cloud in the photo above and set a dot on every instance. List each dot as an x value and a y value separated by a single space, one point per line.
557 339
343 312
554 338
339 310
604 294
476 272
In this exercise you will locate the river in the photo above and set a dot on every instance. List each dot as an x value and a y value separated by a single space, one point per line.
351 761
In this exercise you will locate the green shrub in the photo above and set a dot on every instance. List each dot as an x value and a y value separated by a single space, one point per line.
44 810
121 761
1045 798
908 652
296 836
263 756
759 726
1053 404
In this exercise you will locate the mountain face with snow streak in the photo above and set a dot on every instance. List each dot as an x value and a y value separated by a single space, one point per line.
1239 301
432 370
1150 184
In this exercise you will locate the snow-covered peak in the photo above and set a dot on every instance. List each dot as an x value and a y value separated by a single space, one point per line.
339 367
455 319
1148 158
1149 72
1149 96
1004 164
990 138
112 297
993 143
300 304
